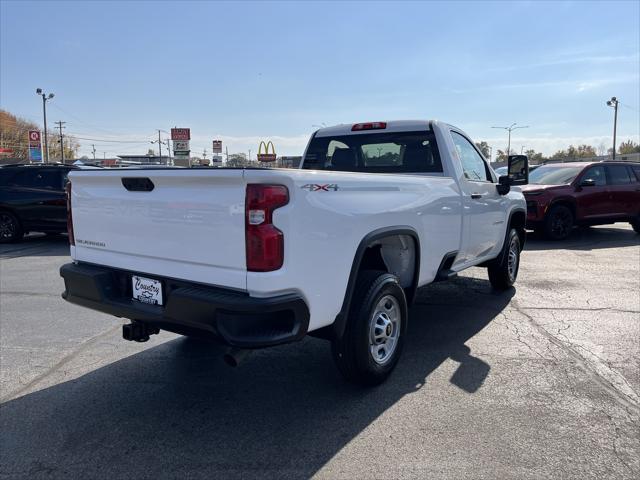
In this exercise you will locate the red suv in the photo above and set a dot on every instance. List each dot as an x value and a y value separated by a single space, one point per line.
561 195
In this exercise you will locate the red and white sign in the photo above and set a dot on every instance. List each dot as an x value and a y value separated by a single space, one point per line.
217 146
34 136
180 134
6 151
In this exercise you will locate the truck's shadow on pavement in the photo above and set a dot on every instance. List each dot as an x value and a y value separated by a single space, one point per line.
176 410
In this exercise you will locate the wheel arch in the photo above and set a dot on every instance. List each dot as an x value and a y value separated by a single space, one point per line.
564 201
371 254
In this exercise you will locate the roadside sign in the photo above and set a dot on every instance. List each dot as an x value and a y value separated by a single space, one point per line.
180 146
180 134
217 146
34 136
35 154
266 156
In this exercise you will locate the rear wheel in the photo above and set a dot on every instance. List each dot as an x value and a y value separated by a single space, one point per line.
558 223
372 342
10 229
504 270
635 224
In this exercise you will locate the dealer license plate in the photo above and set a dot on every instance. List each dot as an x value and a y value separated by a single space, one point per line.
147 290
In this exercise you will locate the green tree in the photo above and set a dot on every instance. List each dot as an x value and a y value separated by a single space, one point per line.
501 156
484 148
628 147
535 158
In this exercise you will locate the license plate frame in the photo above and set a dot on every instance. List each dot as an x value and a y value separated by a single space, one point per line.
146 290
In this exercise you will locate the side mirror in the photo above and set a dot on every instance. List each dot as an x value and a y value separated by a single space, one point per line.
588 182
504 185
518 169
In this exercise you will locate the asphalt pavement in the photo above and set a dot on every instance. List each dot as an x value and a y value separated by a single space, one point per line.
542 381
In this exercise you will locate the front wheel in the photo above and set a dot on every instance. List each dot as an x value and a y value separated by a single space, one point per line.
372 342
10 229
558 223
504 270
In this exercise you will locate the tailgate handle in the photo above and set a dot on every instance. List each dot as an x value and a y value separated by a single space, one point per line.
138 184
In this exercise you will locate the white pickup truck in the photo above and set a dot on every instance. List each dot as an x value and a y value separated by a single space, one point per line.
260 257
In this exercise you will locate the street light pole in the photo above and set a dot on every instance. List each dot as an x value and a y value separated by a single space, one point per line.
45 97
509 129
614 103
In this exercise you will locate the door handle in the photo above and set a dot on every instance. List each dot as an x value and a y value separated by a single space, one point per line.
476 196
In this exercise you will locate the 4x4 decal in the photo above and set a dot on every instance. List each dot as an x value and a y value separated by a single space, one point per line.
316 187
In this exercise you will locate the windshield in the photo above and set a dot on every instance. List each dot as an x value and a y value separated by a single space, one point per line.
392 152
550 175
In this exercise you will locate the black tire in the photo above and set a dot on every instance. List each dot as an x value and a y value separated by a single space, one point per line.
353 352
558 223
503 271
10 228
635 224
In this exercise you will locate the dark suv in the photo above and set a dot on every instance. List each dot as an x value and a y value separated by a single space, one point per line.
32 199
561 195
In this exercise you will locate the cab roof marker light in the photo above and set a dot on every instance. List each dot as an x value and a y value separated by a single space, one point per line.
369 126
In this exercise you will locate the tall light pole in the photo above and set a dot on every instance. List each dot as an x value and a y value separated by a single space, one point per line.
509 129
611 103
45 97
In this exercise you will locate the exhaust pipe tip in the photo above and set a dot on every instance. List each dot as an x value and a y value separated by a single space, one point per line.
235 356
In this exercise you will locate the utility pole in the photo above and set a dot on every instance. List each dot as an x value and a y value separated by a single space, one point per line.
45 97
250 154
521 149
509 129
60 126
94 151
226 151
612 103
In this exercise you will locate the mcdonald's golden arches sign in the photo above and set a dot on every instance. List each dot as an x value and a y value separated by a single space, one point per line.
266 156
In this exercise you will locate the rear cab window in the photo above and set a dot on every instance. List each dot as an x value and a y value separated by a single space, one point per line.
379 152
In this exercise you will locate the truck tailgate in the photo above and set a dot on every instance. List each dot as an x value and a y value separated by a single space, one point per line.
185 224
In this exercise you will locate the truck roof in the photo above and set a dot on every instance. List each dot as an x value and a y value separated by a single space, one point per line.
391 126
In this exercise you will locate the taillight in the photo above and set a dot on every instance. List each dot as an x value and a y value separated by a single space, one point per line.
264 242
67 189
369 126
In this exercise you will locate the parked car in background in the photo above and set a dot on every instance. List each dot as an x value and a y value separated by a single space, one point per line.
562 195
32 199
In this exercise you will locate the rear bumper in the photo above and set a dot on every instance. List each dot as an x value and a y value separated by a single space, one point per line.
192 309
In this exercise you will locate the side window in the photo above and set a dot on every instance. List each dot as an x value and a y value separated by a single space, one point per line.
618 175
37 178
597 175
636 170
24 178
472 163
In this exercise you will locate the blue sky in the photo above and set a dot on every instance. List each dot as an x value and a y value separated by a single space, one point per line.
246 71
